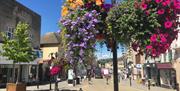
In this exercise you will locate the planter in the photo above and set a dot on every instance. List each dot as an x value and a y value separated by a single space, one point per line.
15 87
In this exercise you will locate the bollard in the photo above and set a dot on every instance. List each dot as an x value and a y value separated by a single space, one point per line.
80 89
130 81
177 86
56 86
50 84
149 85
38 85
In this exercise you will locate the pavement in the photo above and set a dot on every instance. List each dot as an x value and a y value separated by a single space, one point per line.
97 85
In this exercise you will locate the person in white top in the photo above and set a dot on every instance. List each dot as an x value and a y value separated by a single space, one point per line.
106 74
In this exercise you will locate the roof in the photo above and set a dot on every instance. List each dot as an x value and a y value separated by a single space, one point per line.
50 38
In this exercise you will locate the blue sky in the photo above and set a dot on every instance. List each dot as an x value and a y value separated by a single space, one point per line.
50 15
49 11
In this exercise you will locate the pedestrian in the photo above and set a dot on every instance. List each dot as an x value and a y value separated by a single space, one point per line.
107 76
89 76
119 77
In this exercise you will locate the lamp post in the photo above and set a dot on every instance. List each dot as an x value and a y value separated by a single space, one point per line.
115 66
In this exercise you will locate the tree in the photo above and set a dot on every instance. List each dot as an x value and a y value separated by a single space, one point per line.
18 49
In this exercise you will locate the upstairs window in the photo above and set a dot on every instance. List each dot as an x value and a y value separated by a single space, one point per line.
9 32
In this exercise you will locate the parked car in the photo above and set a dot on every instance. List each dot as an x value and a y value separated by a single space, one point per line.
98 73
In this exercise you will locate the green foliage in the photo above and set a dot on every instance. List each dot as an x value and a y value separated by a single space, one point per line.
19 48
127 23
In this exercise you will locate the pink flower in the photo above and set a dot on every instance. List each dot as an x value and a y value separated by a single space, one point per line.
149 47
154 53
168 2
168 24
148 0
153 38
143 6
163 39
166 46
176 4
54 71
160 11
158 1
147 12
164 3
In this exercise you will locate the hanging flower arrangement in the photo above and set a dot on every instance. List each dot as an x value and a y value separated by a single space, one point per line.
82 25
161 37
151 25
80 33
55 70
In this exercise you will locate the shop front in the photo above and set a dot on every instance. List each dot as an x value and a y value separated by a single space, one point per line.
166 75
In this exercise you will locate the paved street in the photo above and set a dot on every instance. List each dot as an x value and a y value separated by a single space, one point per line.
100 85
97 85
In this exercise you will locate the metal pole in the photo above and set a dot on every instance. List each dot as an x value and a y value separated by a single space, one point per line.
50 84
115 62
115 66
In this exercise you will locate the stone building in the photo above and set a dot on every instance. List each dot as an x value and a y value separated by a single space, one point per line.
12 12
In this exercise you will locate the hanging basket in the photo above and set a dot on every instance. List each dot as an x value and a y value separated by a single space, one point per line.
55 70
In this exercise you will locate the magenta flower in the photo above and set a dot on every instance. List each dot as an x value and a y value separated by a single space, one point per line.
168 24
148 0
143 6
149 47
158 1
154 53
55 70
163 38
166 46
168 2
147 12
164 3
160 11
176 4
153 38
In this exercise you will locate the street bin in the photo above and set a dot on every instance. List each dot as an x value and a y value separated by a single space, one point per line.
77 80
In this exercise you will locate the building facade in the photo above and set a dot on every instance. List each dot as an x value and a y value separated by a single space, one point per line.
50 46
12 12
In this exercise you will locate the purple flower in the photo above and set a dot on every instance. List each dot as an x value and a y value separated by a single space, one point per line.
59 31
73 23
94 11
82 45
107 6
95 21
67 35
71 52
81 52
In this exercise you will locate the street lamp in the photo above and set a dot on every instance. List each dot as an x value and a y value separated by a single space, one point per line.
115 66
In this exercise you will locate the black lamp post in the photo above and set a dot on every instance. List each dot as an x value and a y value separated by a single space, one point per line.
115 62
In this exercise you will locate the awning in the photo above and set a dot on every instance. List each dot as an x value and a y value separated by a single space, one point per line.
164 65
34 62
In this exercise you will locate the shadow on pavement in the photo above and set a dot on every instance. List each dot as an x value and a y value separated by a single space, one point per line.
51 90
68 90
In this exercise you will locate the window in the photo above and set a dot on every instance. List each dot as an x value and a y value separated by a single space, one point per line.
10 32
170 56
30 36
